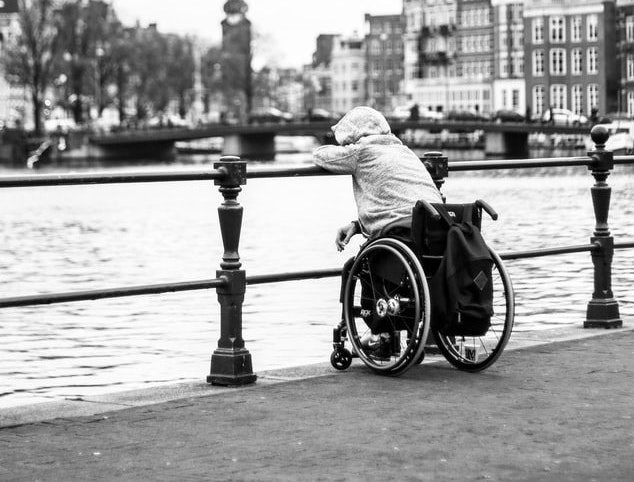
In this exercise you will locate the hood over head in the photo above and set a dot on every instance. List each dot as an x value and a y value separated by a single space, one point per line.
359 122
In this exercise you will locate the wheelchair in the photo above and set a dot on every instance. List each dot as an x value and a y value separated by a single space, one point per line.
385 289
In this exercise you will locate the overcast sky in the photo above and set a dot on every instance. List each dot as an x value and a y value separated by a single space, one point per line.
288 27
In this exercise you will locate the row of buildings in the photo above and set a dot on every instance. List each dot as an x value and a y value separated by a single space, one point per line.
453 55
483 56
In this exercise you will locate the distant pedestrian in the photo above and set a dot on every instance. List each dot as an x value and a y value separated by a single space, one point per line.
414 114
551 115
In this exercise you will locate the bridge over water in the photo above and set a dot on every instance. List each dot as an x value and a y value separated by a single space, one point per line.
509 139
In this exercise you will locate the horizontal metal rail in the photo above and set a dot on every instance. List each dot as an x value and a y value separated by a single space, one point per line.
457 166
109 178
298 275
536 253
50 298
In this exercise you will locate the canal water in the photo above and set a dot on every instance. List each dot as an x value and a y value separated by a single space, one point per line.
58 239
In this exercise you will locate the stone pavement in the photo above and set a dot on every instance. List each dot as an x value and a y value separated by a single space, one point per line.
556 411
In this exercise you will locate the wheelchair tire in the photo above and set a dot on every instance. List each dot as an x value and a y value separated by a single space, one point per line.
475 353
341 359
386 286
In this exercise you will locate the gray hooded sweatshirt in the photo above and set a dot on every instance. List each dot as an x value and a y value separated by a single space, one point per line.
387 177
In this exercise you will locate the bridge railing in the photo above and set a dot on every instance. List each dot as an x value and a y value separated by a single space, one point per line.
231 361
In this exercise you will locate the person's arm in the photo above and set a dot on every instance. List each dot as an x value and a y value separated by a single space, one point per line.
345 233
339 159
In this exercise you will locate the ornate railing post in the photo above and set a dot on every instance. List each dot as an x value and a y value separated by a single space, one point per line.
437 165
603 309
231 361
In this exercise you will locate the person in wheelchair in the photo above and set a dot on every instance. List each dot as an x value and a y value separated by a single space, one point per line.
388 178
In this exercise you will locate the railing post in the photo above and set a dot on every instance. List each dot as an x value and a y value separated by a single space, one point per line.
231 361
603 309
437 165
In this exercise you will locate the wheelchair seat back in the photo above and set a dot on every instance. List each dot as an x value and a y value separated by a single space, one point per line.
430 235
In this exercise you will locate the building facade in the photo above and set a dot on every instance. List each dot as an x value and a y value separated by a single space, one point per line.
508 56
449 54
236 59
625 56
316 76
472 90
348 67
569 47
384 61
430 52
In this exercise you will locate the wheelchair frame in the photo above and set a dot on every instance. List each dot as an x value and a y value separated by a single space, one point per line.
387 288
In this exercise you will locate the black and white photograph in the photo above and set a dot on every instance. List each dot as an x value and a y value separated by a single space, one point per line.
334 240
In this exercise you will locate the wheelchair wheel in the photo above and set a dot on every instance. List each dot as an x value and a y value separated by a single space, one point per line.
475 353
386 293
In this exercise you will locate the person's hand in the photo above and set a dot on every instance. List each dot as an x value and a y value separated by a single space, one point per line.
344 234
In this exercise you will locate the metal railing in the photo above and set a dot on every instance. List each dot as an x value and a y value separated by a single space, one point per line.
231 361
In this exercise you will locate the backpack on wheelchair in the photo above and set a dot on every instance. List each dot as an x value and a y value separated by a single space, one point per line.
395 292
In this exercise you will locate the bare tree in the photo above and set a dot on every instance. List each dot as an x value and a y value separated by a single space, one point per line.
30 60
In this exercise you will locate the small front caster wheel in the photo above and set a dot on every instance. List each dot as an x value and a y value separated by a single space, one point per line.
341 359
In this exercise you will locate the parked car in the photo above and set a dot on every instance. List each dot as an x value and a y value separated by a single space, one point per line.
269 115
563 117
429 114
163 120
508 115
466 115
320 115
400 113
615 117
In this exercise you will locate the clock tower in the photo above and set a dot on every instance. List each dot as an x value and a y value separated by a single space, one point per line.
236 58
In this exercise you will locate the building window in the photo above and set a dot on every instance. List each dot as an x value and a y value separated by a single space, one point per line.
630 103
577 99
558 62
538 100
515 99
557 29
629 28
630 67
593 28
518 39
558 96
504 68
538 31
593 60
503 40
538 63
517 64
577 61
575 29
593 97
